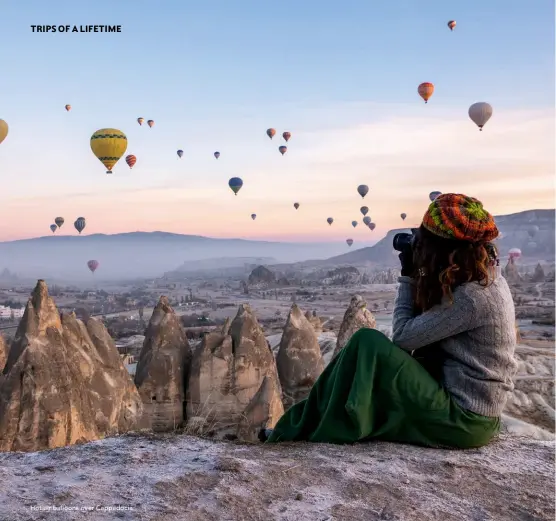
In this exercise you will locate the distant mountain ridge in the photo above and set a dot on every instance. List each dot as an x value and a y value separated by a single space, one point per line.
142 254
514 229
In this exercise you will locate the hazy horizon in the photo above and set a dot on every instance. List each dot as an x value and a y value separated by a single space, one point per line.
215 76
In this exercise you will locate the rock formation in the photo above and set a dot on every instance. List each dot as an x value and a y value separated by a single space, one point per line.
314 320
261 274
163 370
64 382
538 275
185 478
533 397
227 374
299 360
262 412
3 353
356 317
511 273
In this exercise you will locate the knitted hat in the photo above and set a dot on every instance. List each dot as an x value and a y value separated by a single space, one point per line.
456 216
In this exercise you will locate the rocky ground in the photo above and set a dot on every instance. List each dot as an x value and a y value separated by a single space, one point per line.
175 477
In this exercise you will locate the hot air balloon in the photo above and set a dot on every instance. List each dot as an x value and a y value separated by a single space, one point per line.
53 228
180 153
150 123
532 231
349 242
68 107
425 90
286 136
403 216
92 265
363 190
364 210
451 24
330 221
480 113
434 195
109 145
80 224
59 221
283 149
235 183
514 253
3 130
253 216
354 223
367 220
372 226
296 205
217 155
271 133
130 160
140 120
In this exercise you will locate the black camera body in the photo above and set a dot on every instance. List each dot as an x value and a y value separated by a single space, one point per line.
404 241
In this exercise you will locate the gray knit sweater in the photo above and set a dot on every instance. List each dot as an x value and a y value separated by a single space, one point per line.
477 333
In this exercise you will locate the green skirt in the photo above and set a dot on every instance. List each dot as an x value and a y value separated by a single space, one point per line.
374 390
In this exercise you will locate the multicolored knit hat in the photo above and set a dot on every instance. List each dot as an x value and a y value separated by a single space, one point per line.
456 216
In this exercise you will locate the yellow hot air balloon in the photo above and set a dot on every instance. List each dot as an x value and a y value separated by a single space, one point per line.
3 130
109 145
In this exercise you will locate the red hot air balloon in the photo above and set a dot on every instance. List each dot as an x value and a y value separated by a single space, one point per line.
271 133
287 136
92 265
130 160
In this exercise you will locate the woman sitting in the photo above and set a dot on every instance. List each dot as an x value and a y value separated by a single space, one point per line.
454 306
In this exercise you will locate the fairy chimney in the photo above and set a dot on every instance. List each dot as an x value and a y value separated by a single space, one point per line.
163 369
356 317
299 360
64 382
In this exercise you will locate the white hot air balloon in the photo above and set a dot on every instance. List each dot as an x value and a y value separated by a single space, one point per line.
480 113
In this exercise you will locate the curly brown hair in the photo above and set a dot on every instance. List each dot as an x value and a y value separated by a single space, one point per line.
441 265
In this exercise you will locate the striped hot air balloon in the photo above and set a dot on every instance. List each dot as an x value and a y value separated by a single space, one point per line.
130 160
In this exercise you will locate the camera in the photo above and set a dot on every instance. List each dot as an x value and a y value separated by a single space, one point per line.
403 241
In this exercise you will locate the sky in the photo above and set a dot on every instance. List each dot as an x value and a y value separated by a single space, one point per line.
342 77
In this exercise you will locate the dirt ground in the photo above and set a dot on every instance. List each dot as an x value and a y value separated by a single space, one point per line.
175 477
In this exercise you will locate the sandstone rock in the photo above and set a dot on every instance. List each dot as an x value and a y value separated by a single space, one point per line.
61 386
356 317
252 358
533 397
261 275
163 369
511 273
299 360
182 478
3 353
263 411
314 320
227 372
211 402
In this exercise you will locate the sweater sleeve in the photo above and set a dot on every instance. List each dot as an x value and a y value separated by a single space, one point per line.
442 321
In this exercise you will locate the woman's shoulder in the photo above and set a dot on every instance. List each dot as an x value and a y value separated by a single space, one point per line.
495 286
